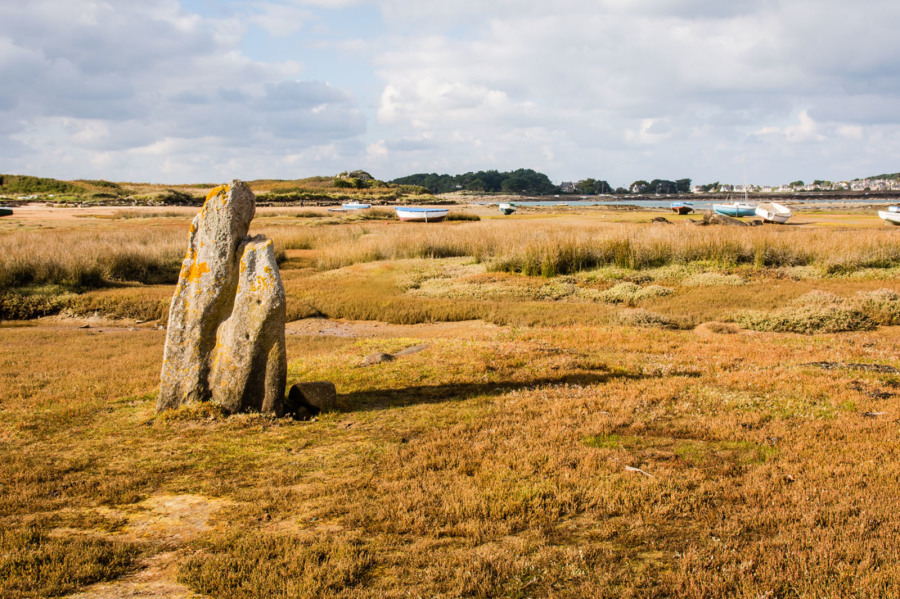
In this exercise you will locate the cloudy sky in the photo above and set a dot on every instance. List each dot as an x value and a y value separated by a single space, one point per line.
207 90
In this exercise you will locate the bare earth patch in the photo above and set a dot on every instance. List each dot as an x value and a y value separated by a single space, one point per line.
169 521
326 327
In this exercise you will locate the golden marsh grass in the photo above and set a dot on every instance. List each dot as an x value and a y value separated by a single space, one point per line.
553 247
590 442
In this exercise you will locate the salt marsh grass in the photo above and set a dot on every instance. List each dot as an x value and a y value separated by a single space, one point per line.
508 458
90 259
551 248
818 312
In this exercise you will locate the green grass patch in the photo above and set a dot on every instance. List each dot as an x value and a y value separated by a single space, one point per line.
821 312
631 293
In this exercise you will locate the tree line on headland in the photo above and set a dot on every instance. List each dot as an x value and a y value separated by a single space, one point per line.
522 181
526 181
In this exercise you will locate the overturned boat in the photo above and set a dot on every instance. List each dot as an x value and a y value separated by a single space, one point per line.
774 213
681 207
891 215
423 215
736 209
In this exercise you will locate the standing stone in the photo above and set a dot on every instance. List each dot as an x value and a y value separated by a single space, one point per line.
249 364
226 320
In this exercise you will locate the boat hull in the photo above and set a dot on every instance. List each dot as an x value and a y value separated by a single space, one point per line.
353 206
889 217
773 213
422 215
6 211
734 210
681 208
507 209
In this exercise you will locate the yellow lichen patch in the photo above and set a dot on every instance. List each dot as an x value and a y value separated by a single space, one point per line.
220 190
190 258
196 270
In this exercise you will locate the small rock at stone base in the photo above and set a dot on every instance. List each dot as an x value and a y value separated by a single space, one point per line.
308 399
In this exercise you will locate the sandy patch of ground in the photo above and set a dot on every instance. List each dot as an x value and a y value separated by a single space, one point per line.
374 329
41 214
168 521
92 324
173 519
156 580
716 328
324 327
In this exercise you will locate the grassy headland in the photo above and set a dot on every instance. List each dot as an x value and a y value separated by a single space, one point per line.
20 189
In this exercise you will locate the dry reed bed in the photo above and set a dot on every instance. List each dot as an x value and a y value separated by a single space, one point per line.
552 248
89 259
79 259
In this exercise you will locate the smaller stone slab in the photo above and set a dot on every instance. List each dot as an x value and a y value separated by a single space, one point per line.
305 400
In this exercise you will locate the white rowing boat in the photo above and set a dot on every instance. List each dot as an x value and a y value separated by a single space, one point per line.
424 215
774 213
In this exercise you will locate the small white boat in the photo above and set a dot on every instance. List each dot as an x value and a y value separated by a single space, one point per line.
891 215
774 213
355 206
735 209
424 215
507 209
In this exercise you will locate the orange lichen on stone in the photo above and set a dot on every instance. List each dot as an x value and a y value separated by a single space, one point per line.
221 189
186 264
196 271
261 283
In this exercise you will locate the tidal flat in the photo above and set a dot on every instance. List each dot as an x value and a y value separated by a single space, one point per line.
598 406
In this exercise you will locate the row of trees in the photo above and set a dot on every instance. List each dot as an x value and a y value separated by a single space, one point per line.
524 181
593 186
661 186
529 182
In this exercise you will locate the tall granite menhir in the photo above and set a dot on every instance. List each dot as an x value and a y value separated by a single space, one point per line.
225 340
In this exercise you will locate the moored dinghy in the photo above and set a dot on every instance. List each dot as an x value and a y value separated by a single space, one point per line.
891 215
774 213
424 215
681 207
735 209
355 206
4 211
507 209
